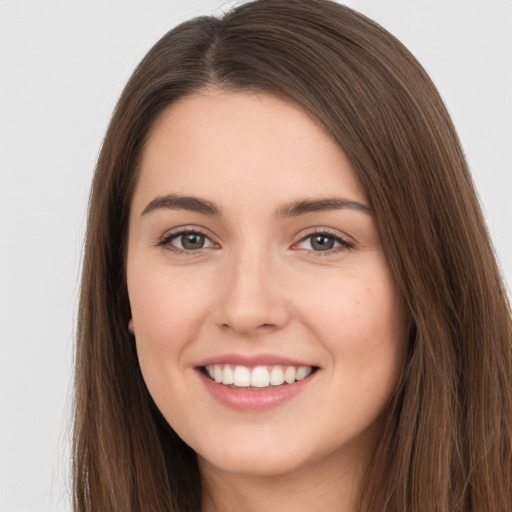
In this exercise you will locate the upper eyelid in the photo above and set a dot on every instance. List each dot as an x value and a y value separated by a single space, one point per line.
346 243
175 232
323 233
165 242
326 231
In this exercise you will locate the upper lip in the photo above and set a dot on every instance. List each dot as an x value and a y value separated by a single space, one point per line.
252 360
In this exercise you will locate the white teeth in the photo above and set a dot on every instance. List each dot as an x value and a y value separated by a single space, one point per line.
242 377
302 372
257 377
217 373
260 378
227 376
289 374
276 376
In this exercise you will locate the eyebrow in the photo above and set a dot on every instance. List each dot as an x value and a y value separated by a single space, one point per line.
293 209
302 207
176 202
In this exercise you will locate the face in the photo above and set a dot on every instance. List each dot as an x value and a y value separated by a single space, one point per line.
268 328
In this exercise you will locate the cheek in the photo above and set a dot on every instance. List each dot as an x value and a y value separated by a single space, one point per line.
168 309
360 321
363 329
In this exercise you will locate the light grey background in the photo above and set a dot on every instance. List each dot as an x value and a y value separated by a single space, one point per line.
63 65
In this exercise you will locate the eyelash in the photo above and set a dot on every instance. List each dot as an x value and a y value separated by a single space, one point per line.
167 239
344 244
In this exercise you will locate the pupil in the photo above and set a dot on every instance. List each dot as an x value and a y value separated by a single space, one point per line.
193 241
322 243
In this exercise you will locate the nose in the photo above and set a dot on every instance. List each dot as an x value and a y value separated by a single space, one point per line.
252 298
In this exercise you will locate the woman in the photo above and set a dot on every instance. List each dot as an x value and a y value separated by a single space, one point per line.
289 298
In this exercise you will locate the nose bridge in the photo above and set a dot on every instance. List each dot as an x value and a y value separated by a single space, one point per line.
251 297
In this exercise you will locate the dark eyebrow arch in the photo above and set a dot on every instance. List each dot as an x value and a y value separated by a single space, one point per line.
305 206
176 202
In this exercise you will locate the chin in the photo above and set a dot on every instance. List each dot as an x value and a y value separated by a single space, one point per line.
253 462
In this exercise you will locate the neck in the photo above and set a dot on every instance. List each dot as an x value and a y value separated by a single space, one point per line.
328 485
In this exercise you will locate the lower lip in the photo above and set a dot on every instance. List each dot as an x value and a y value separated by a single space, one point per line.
256 399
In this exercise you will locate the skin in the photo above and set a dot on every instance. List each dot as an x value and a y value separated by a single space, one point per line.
259 286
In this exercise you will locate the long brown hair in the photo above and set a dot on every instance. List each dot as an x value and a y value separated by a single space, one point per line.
447 440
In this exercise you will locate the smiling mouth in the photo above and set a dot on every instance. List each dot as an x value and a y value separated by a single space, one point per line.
257 377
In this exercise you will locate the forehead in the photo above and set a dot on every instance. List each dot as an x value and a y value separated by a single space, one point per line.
242 146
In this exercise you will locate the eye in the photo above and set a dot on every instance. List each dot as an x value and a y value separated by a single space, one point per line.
186 241
323 242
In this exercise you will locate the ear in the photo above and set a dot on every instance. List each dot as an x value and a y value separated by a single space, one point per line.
131 327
